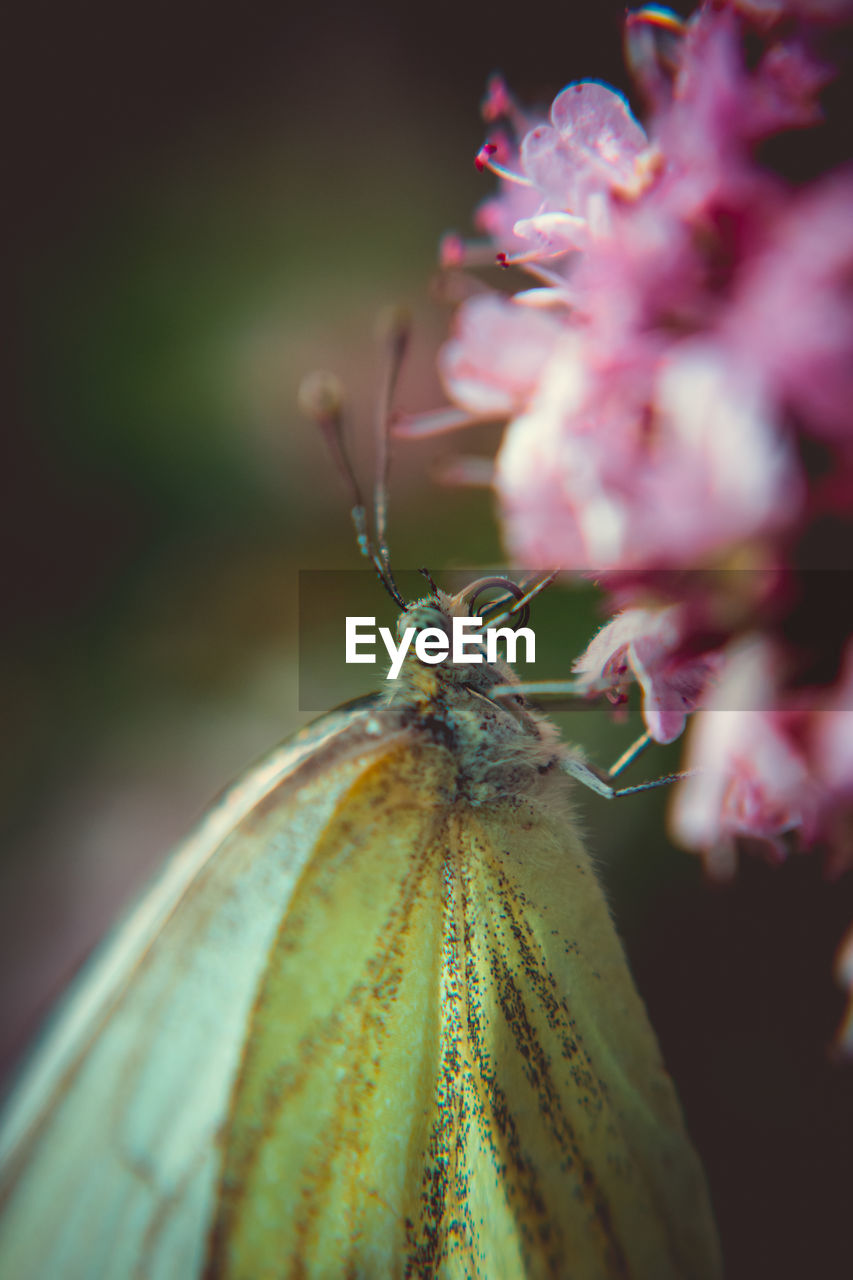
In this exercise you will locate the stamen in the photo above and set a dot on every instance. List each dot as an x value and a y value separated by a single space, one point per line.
451 250
466 472
456 252
488 157
415 425
532 255
553 231
549 277
501 171
498 101
500 104
483 156
540 298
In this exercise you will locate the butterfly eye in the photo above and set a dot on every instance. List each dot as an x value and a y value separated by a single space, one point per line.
423 618
431 619
511 591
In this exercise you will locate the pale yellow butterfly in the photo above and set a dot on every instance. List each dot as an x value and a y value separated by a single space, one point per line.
373 1021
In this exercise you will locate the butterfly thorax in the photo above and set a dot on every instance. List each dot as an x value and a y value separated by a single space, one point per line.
501 747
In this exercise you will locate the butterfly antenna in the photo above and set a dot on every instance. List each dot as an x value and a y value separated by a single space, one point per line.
321 399
395 330
425 573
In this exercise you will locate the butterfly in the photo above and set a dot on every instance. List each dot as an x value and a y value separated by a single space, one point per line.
374 1020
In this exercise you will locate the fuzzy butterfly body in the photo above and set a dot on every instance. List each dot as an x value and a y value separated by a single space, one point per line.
374 1021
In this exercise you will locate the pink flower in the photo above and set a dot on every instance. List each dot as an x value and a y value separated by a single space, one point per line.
496 217
791 315
556 187
596 475
752 778
678 395
719 106
646 645
517 197
498 351
786 86
592 147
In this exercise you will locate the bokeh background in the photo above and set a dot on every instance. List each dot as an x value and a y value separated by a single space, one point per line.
205 202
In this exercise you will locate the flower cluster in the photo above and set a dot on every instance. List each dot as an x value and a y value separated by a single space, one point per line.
677 378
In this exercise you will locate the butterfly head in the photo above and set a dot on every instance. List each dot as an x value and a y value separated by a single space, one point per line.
451 623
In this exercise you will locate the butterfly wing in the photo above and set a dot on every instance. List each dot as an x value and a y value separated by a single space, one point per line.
566 1099
418 1021
332 1112
109 1155
449 1072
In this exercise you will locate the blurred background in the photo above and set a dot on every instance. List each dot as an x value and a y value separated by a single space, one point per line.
204 203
